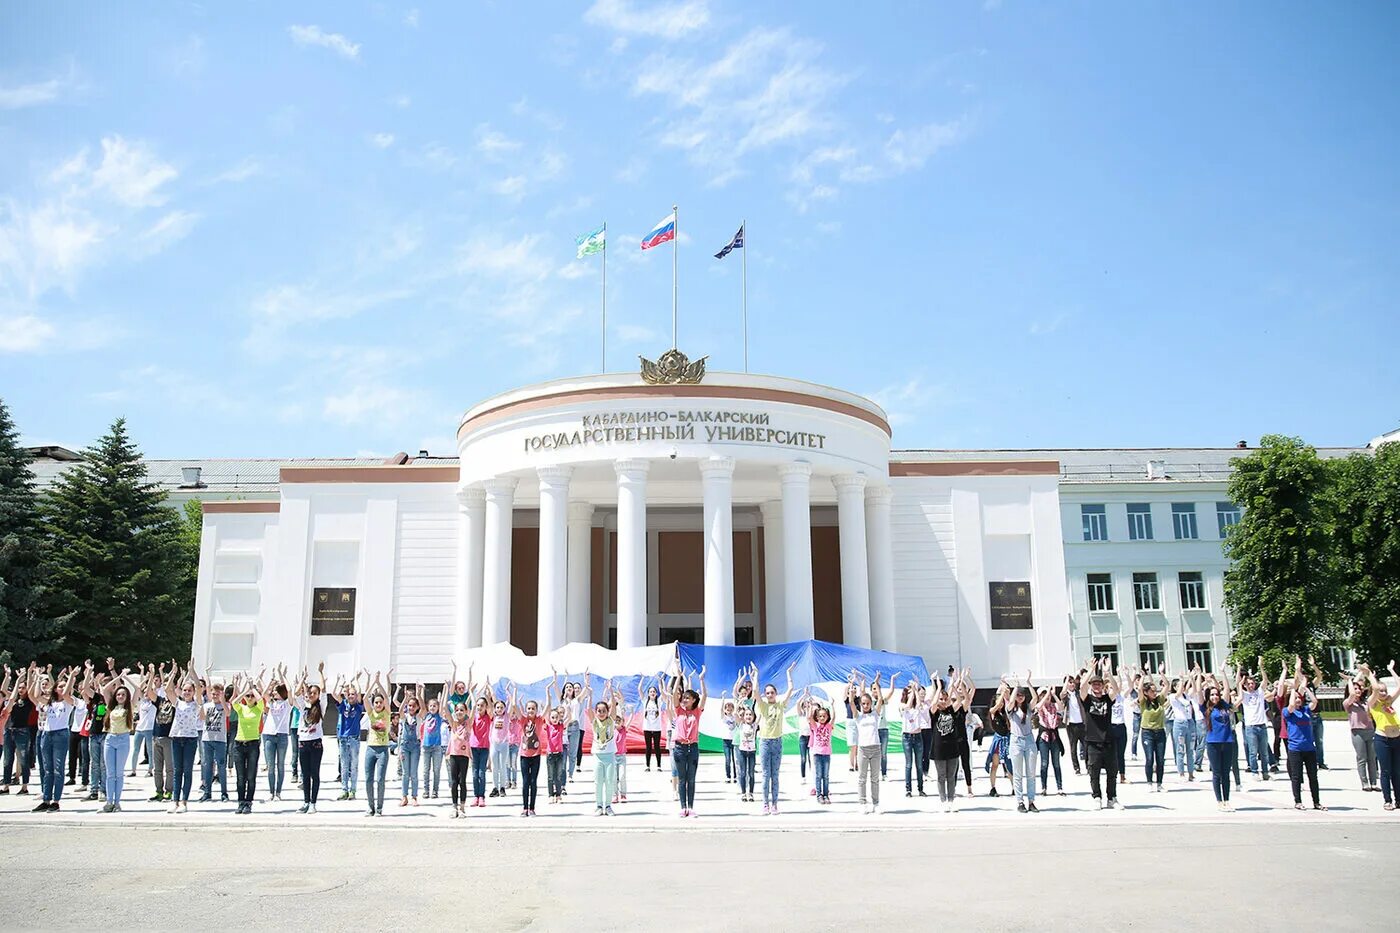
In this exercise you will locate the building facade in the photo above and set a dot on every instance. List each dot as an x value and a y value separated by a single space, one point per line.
725 509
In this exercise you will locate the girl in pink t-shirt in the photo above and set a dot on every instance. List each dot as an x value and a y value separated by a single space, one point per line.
480 742
687 706
820 720
459 758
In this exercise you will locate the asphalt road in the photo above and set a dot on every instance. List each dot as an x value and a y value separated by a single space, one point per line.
1140 876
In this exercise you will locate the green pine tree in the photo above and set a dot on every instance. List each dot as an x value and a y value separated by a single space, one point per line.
26 634
119 565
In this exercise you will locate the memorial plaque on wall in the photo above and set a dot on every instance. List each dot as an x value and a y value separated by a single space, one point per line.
1011 604
333 610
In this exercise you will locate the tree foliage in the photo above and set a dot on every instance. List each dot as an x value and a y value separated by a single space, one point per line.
120 569
1366 500
25 631
1282 585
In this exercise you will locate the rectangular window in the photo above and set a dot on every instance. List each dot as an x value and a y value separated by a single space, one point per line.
1198 654
1152 657
1139 521
1146 595
1184 520
1107 651
1192 587
1100 586
1227 515
1095 520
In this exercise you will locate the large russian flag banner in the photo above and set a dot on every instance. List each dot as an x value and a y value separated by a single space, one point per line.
663 232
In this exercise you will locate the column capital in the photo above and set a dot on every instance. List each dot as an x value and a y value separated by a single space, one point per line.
849 482
879 495
501 486
712 468
580 511
634 469
555 475
469 496
795 472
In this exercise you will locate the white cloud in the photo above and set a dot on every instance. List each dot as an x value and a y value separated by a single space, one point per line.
38 93
372 405
241 172
170 228
512 186
493 143
662 20
767 89
314 35
576 270
188 58
1047 326
807 198
437 156
634 333
905 401
24 333
908 150
519 259
130 174
402 101
411 18
382 140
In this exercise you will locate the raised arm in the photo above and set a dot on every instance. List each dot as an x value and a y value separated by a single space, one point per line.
787 697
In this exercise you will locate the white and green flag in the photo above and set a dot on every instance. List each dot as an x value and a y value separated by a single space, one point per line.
591 243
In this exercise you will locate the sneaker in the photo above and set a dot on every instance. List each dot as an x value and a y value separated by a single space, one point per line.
313 809
369 812
90 797
767 809
41 808
1020 807
609 811
304 808
994 793
1112 804
175 808
1031 807
107 807
344 795
909 793
1098 804
157 798
775 809
598 812
24 792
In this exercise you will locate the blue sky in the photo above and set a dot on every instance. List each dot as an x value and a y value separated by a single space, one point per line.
324 229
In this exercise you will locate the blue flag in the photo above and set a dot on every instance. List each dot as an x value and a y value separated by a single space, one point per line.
736 243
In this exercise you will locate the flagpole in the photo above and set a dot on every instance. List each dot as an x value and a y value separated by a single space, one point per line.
675 245
744 226
605 296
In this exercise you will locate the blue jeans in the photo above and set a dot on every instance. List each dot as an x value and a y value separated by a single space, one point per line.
432 768
729 761
214 763
1388 758
884 752
772 754
913 760
479 757
823 766
97 768
410 758
275 751
573 739
53 754
1023 767
1049 756
376 771
1137 729
182 754
500 770
1317 740
746 768
1154 753
1200 734
804 745
115 750
16 757
687 764
144 740
1184 745
1256 748
349 762
1220 755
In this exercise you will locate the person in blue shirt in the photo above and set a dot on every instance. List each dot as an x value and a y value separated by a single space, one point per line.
1302 750
1218 711
351 709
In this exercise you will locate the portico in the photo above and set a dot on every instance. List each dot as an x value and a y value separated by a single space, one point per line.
661 471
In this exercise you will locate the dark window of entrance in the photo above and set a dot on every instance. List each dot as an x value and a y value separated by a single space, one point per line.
696 636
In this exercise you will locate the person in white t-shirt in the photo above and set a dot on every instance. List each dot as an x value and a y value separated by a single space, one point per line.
1184 712
1255 700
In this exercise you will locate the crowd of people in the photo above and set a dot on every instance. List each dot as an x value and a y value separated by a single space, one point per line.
93 728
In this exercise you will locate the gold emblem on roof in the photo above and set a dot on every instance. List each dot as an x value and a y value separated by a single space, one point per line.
673 368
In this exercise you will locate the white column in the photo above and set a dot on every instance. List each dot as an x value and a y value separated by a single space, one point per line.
631 552
717 477
880 553
799 624
775 610
553 567
471 541
495 582
578 626
855 579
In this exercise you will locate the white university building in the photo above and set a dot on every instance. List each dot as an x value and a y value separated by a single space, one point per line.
709 507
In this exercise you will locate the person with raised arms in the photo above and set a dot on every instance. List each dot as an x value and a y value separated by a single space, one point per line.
770 710
1302 747
1096 694
687 705
1386 718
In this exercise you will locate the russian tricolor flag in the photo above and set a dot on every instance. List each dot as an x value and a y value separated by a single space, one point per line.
663 232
